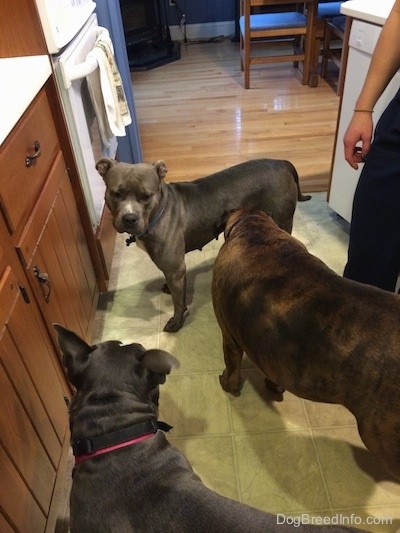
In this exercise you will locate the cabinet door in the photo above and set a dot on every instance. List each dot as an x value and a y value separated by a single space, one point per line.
54 250
33 413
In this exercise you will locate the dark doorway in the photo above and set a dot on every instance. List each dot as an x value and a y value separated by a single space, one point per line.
147 35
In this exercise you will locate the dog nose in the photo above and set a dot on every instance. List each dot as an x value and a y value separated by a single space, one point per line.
129 220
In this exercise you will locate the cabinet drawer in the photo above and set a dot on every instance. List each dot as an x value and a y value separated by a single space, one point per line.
21 178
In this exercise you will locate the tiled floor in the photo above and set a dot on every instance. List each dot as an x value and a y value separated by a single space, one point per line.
291 456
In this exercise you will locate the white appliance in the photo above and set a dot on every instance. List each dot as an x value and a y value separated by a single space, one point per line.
71 68
62 19
71 29
362 41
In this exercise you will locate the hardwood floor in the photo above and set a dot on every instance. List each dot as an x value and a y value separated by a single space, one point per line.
196 115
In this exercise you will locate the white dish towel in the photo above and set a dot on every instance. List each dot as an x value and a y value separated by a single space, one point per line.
106 90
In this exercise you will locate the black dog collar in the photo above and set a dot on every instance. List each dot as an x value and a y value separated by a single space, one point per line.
133 238
87 448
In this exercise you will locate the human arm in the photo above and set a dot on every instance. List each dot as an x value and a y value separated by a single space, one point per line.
385 62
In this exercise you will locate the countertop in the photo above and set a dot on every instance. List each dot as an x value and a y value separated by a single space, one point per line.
375 11
21 79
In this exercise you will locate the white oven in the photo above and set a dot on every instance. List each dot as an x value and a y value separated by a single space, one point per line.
71 29
71 68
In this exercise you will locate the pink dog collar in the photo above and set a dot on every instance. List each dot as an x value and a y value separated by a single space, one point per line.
92 447
81 458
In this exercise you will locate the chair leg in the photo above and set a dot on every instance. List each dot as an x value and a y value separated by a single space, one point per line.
297 44
310 71
247 76
246 62
325 53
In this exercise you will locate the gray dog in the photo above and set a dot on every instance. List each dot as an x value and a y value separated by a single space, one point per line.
127 477
168 220
310 331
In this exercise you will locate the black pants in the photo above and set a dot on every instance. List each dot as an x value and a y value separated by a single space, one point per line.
374 246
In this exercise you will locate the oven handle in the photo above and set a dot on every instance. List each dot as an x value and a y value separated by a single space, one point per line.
70 73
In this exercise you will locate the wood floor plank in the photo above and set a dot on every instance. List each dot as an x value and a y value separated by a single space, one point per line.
196 115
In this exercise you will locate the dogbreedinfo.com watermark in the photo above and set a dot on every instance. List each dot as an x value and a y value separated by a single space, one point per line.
336 520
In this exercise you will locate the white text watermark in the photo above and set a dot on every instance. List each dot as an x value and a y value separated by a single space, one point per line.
338 519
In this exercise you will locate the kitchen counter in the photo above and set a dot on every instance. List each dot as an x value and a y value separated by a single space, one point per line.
375 11
21 79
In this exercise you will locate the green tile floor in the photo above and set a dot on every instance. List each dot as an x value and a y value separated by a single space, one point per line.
291 457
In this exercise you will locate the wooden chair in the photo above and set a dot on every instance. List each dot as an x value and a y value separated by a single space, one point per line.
335 36
263 32
326 11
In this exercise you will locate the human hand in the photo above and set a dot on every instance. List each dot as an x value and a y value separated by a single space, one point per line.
359 129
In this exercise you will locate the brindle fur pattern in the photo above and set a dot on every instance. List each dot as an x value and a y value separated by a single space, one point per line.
309 330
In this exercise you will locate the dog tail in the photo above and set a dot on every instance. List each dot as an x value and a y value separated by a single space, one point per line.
300 196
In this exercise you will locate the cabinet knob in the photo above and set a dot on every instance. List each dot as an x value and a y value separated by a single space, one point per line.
30 159
43 278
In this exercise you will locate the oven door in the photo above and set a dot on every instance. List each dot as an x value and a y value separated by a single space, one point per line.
71 69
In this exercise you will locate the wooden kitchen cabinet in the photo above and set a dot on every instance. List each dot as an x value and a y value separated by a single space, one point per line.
52 249
22 181
39 208
46 276
33 414
34 436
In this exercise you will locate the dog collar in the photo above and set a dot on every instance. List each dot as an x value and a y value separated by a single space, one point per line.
87 448
153 221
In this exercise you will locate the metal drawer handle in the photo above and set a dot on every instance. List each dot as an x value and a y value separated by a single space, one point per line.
30 159
43 278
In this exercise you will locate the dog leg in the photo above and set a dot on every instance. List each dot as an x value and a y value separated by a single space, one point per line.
176 283
231 380
379 432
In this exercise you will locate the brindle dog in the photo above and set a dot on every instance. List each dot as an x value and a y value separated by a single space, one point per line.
310 331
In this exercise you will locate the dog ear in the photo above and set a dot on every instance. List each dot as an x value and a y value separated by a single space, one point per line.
159 363
161 168
104 165
75 352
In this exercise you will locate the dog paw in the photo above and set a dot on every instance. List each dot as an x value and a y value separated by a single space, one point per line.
227 385
174 324
273 386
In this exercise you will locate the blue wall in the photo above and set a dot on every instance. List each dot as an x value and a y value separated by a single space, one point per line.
200 11
109 16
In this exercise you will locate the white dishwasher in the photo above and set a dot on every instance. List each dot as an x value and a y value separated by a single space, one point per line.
362 41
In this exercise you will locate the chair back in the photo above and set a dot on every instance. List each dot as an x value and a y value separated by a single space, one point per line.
279 21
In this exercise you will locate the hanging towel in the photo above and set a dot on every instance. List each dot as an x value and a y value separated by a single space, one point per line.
106 90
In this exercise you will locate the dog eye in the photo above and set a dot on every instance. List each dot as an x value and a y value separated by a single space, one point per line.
146 197
115 195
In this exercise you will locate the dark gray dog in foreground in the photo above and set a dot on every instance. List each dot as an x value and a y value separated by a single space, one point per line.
168 220
127 477
310 331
